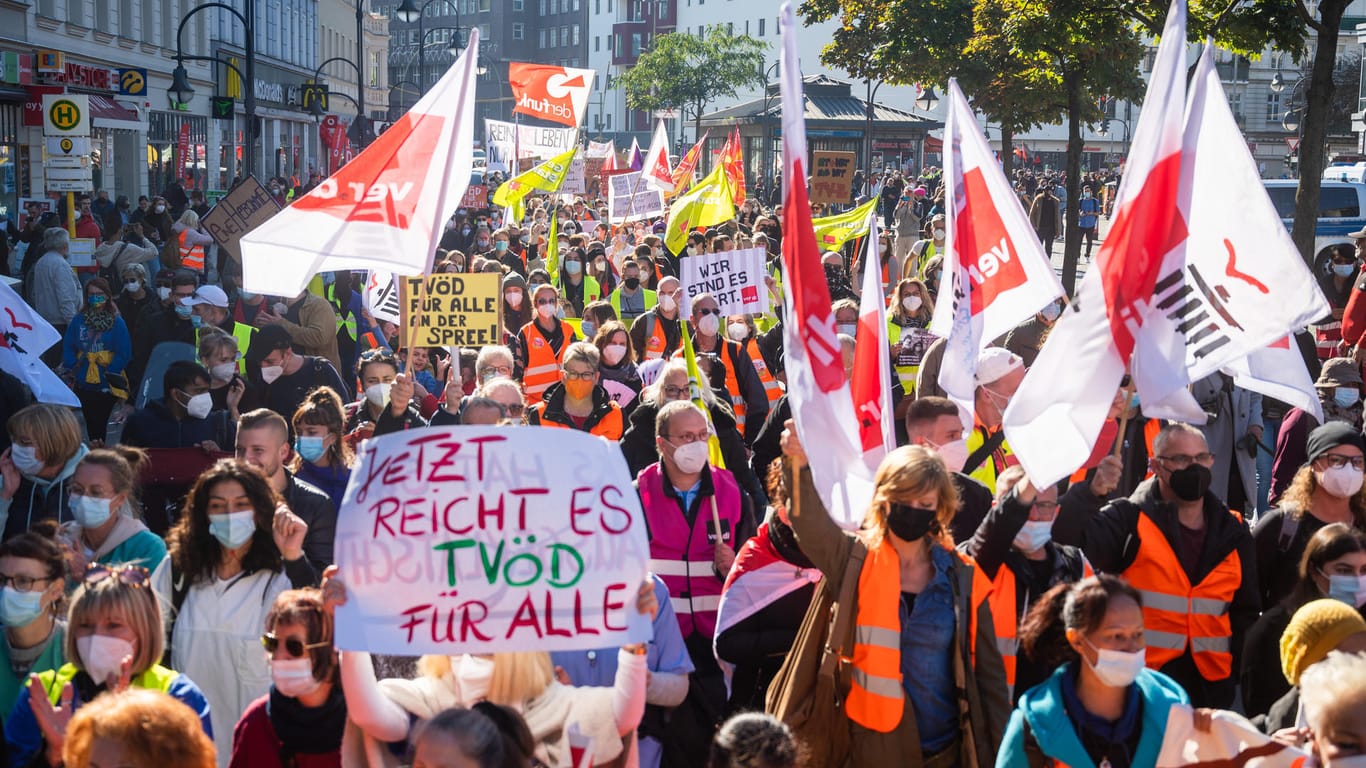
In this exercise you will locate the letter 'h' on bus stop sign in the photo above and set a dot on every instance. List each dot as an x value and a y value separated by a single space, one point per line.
66 114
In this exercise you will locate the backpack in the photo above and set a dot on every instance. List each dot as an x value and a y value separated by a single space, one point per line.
808 692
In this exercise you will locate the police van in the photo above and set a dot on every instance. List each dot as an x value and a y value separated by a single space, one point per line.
1342 209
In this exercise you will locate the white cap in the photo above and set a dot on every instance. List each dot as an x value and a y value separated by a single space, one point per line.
207 294
995 362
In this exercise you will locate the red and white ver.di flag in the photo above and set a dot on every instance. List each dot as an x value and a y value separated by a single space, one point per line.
995 271
386 209
822 405
872 359
24 336
656 170
1278 370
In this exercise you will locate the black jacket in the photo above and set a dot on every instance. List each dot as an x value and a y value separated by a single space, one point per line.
315 508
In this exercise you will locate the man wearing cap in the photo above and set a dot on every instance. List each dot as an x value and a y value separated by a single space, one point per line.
1191 558
209 307
999 373
1339 388
538 348
1333 479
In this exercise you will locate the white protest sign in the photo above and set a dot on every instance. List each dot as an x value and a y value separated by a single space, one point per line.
734 278
629 198
501 139
381 296
490 539
576 181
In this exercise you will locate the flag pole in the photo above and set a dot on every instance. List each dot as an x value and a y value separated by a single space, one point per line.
1123 420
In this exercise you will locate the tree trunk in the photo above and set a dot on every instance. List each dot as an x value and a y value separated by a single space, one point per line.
1008 153
1313 144
1071 251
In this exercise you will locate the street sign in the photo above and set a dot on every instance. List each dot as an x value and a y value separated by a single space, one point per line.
66 114
57 173
62 161
69 186
68 146
221 107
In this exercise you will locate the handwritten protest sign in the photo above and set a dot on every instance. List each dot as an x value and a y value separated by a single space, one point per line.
484 539
629 198
575 182
502 139
832 176
456 310
734 278
246 206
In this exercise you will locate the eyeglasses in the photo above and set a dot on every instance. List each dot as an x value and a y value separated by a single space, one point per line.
579 375
498 370
694 437
676 392
22 583
131 575
1045 506
546 302
1338 461
293 645
704 312
515 409
1181 460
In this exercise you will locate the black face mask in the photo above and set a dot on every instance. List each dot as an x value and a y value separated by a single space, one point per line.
1191 483
911 523
632 282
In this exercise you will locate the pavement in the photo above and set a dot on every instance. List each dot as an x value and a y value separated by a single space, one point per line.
1082 264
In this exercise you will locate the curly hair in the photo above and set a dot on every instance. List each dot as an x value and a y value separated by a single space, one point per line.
1298 498
754 740
193 550
151 727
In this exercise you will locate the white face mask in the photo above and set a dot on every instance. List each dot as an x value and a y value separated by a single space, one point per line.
513 298
1343 482
25 458
708 325
691 458
378 394
223 371
939 234
102 656
848 329
234 528
954 454
89 511
546 311
667 303
199 406
164 292
293 677
132 286
737 331
475 676
270 373
1117 669
1033 535
911 303
613 353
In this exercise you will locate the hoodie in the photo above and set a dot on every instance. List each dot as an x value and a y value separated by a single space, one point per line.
1051 730
38 499
130 542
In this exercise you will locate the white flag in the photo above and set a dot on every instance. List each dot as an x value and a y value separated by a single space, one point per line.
24 337
381 296
387 208
1277 370
995 269
1056 415
657 172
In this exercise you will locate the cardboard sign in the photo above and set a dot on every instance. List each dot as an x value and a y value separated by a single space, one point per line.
832 176
734 278
476 196
629 198
576 181
490 539
245 207
454 310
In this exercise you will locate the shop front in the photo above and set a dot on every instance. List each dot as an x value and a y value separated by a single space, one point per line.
289 145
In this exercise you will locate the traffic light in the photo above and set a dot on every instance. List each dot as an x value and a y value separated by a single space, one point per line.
360 133
220 107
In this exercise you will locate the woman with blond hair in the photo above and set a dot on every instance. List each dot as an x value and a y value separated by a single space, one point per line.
114 641
384 712
926 683
38 465
194 242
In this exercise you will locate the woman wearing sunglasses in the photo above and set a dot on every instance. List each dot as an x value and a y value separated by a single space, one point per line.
300 722
235 548
32 582
113 642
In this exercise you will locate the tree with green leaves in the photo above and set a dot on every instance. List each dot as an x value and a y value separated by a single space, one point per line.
686 72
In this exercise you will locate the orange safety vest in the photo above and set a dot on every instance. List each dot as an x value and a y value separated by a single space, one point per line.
1177 614
657 343
1006 616
609 426
542 362
191 256
772 388
1150 429
876 697
737 398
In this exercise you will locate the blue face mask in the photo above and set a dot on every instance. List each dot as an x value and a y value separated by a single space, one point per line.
500 245
309 448
97 299
89 511
196 321
1345 397
19 609
233 529
183 312
588 329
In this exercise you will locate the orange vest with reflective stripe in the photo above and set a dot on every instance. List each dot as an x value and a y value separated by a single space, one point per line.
1005 616
657 342
737 398
1177 614
542 361
772 389
191 256
609 426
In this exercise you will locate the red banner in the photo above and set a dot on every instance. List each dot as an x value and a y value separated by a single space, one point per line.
558 94
182 148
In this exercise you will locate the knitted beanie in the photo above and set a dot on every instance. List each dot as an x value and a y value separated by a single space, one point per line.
1315 629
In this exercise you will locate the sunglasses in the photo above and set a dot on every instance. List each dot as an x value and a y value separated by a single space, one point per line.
132 575
293 645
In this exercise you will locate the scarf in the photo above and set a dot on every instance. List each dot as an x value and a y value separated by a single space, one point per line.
307 730
98 320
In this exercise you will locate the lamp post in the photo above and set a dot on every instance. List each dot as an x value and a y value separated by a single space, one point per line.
602 96
408 12
770 93
315 107
180 85
361 117
868 127
1293 119
1104 131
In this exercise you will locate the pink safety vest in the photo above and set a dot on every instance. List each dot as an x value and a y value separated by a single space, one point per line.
682 556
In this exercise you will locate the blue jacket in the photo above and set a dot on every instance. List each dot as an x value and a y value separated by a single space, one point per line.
80 341
1056 735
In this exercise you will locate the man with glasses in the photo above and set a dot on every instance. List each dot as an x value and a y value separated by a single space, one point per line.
1192 559
656 333
697 518
538 348
748 398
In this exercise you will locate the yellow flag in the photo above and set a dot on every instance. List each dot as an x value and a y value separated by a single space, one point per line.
832 232
552 247
695 391
710 202
547 176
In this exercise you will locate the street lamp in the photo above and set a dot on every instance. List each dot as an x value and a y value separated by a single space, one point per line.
1277 83
928 100
408 12
180 85
315 107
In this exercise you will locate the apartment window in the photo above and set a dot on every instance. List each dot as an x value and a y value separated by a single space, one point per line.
1273 107
1235 103
576 34
609 6
576 6
597 7
609 121
374 69
635 44
483 5
540 38
597 43
761 27
542 7
518 5
126 19
518 30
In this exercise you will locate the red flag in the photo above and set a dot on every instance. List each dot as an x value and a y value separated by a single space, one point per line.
733 159
683 173
559 94
872 359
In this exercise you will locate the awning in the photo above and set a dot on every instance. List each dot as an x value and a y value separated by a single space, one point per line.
934 145
107 113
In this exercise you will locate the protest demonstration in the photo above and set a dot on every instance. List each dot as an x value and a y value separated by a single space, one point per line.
874 436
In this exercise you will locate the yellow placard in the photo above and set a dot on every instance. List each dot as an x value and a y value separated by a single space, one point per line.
452 310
